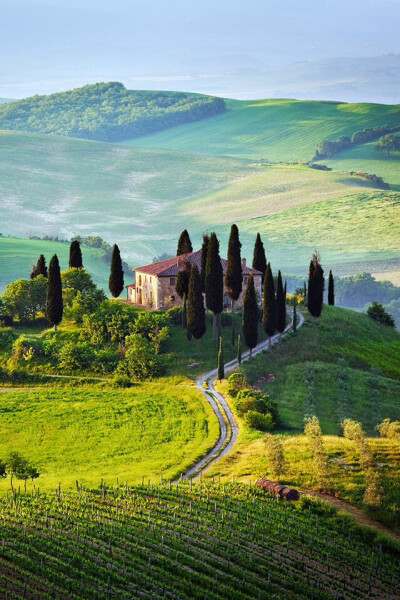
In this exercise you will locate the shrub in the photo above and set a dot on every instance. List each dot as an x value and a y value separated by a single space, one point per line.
75 355
257 420
105 360
236 382
378 313
175 315
254 400
389 429
25 347
121 381
141 360
6 338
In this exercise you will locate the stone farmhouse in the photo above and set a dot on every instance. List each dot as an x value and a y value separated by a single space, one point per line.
154 285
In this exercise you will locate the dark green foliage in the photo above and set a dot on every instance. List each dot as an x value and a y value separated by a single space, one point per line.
111 322
214 284
388 143
182 280
220 371
257 420
184 320
24 298
141 359
239 350
236 382
316 285
75 255
326 148
378 313
54 300
233 273
20 467
331 290
204 249
259 260
195 311
280 305
294 315
3 469
116 280
250 315
233 335
184 244
269 303
255 400
106 112
40 267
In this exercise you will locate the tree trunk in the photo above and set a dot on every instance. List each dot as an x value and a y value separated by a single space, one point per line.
315 320
232 305
198 348
55 326
269 343
214 335
251 353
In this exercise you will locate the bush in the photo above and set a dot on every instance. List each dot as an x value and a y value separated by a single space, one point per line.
254 400
256 420
378 313
25 347
6 339
236 382
141 360
389 429
121 381
6 321
175 315
105 360
75 355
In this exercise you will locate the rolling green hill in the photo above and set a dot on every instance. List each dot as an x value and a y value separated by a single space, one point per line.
17 256
276 130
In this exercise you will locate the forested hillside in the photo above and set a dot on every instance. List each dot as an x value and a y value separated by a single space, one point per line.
106 112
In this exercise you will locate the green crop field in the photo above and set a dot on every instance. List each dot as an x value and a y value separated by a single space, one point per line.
87 433
276 130
17 256
346 367
184 541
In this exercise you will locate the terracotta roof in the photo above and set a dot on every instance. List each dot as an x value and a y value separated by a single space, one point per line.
171 266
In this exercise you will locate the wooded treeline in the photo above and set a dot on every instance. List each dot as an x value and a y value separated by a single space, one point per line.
106 112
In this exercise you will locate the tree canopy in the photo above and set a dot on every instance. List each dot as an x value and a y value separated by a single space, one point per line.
184 244
233 273
54 300
116 279
250 315
106 112
259 260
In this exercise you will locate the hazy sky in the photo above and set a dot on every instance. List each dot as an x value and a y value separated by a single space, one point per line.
54 45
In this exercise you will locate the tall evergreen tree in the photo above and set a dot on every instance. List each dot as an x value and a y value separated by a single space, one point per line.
259 260
75 255
184 319
182 280
220 370
233 273
40 267
204 248
239 350
280 305
250 315
269 304
331 290
116 279
294 314
54 300
214 281
195 311
316 283
184 244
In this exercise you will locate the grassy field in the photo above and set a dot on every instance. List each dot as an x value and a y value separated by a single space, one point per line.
89 432
370 370
277 130
17 256
367 159
205 541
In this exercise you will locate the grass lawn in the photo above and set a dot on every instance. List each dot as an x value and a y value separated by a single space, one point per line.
273 129
89 432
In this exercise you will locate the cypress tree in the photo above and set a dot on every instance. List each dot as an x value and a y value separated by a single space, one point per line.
233 273
280 306
214 281
269 304
294 314
54 300
184 244
75 255
259 260
182 280
40 268
195 311
331 290
250 315
239 350
184 320
221 372
316 284
204 249
116 279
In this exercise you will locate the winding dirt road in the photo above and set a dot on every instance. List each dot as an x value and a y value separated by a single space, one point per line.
228 428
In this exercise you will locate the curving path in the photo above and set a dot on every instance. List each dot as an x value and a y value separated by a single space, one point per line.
228 428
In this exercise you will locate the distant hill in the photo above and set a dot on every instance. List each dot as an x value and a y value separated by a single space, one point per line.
276 130
106 112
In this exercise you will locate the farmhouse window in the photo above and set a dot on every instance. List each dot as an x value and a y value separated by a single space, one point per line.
172 282
140 280
172 298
